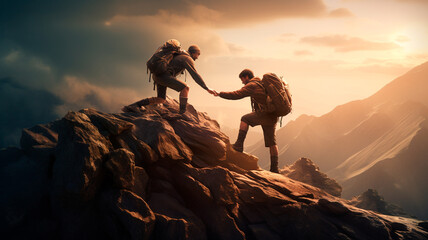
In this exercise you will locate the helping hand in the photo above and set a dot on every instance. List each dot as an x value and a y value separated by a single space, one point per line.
213 92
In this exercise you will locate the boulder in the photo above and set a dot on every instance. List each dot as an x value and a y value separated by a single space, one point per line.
144 154
136 219
304 170
159 135
371 200
77 171
40 141
121 166
141 182
107 124
170 228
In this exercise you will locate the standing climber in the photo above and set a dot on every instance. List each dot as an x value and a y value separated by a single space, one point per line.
264 112
167 62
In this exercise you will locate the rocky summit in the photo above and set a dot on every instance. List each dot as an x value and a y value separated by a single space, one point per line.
304 170
156 174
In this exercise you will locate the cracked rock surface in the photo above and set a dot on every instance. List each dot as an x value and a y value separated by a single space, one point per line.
156 174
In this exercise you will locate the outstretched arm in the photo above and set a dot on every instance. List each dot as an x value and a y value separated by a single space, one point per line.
238 94
190 67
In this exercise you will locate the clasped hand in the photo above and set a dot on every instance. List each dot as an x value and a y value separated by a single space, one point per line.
213 92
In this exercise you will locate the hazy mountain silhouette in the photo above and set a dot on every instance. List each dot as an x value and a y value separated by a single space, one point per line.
379 142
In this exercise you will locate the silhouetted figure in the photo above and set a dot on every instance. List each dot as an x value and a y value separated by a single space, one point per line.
180 61
254 89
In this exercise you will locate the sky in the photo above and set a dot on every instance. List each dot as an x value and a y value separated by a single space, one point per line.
57 56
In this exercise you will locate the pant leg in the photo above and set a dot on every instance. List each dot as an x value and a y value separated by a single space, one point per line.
167 80
161 91
269 135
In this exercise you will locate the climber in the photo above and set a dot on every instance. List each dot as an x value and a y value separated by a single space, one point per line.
254 89
179 61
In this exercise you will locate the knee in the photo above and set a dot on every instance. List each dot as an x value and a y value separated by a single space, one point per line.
186 88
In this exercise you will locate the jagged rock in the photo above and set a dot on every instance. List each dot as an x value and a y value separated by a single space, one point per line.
243 161
306 171
131 212
399 227
165 204
423 225
334 208
121 166
38 135
79 157
206 143
159 135
371 200
107 124
144 154
40 140
215 201
141 181
170 228
177 188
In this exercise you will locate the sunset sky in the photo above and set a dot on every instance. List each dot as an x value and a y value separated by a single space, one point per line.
57 56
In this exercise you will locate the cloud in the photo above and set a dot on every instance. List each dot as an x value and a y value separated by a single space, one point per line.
286 37
77 93
341 12
377 66
302 53
236 49
413 1
233 13
383 68
402 39
23 107
218 12
343 43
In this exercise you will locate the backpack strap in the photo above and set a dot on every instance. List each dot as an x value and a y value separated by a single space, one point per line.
259 83
253 102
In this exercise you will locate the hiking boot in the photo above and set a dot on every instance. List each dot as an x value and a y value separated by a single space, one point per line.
182 110
238 147
239 144
274 164
183 105
274 169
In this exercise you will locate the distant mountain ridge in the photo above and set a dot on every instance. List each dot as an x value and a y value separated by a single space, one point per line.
360 141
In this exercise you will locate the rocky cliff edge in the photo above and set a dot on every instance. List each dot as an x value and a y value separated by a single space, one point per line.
157 174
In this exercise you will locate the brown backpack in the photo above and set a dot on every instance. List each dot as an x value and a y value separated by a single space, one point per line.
158 63
278 99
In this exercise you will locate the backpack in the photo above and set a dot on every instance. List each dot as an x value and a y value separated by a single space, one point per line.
278 99
159 61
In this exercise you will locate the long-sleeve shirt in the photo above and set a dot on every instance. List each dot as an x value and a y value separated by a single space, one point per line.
184 61
251 89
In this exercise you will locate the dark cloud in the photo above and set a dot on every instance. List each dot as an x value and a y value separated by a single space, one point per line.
343 43
23 107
